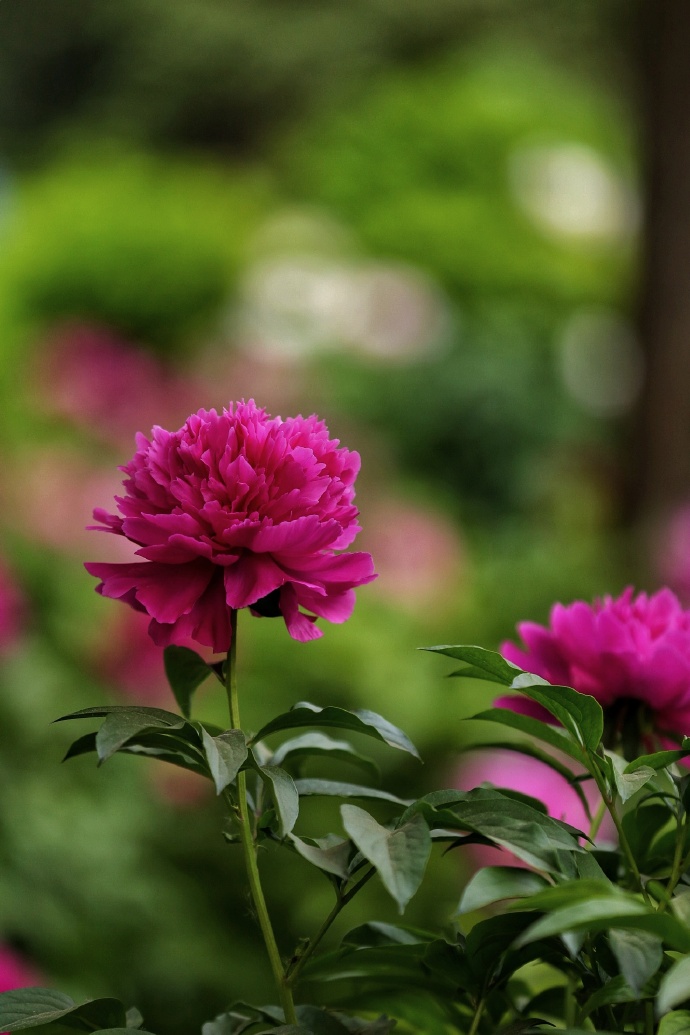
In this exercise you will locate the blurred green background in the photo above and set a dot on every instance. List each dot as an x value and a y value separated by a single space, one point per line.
422 221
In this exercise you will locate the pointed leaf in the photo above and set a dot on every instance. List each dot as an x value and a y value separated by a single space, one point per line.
614 991
186 670
226 755
534 728
660 759
119 728
493 665
400 856
495 883
336 788
628 782
359 720
601 914
29 1007
310 745
283 792
638 954
674 987
332 859
675 1023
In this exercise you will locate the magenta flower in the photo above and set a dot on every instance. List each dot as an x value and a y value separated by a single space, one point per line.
15 972
13 611
234 510
620 651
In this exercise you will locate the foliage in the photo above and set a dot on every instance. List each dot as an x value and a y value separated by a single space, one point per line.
611 923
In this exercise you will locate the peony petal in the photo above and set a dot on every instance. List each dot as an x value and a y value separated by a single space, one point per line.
301 627
252 577
167 591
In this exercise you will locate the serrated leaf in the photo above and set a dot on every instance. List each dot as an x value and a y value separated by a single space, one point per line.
638 954
186 671
226 755
534 728
339 789
358 720
674 987
310 745
283 792
399 856
675 1023
496 883
332 859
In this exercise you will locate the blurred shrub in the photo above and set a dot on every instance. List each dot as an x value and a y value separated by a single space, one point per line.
145 246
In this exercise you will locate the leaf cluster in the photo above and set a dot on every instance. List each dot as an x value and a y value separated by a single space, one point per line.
608 926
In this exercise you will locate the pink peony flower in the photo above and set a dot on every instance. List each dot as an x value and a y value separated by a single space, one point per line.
623 650
15 972
234 510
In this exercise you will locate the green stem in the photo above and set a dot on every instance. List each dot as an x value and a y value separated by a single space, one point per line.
477 1018
341 902
622 839
596 821
249 845
648 1018
677 866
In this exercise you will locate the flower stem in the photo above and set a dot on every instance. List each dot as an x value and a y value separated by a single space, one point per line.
477 1018
596 821
248 843
342 900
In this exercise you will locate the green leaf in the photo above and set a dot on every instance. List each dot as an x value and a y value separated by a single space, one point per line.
523 747
400 855
580 714
376 933
160 714
660 759
535 838
283 792
226 755
335 788
492 665
45 1009
134 1018
186 671
309 745
638 954
319 1022
534 728
614 991
628 782
29 1007
495 883
601 913
675 1023
674 987
359 720
329 854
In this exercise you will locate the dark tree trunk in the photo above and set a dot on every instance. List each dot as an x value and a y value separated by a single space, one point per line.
662 462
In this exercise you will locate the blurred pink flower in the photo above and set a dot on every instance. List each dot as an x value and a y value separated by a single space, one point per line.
516 772
107 385
15 972
13 611
237 510
672 552
616 650
419 554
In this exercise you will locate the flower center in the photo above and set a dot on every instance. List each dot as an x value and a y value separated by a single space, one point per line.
627 727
